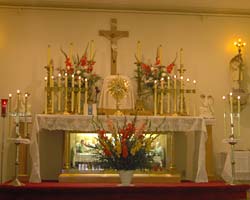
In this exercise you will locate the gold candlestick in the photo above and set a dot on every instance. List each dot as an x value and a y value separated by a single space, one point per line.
224 116
25 115
79 95
155 97
188 96
238 105
181 95
72 93
59 84
65 93
86 91
46 96
52 94
175 95
162 97
168 100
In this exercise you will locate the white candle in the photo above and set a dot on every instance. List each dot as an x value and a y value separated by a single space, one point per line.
231 102
52 94
175 95
194 91
162 90
25 115
91 50
187 97
86 91
155 97
224 115
49 58
181 53
59 84
18 102
160 54
66 92
10 104
46 96
72 93
79 94
168 101
238 98
182 95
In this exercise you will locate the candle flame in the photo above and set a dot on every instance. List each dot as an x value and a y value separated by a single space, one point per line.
194 81
188 79
224 97
10 95
18 91
238 97
45 78
59 75
231 94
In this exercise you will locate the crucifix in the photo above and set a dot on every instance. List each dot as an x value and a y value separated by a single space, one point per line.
113 35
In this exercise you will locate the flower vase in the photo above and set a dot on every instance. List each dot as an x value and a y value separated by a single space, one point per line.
126 177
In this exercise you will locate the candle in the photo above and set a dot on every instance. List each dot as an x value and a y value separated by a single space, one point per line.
71 52
25 115
49 57
160 54
175 95
10 104
231 102
182 95
72 93
194 91
155 97
79 94
4 103
59 84
45 96
181 54
187 98
91 50
224 116
66 92
168 100
86 91
138 53
52 94
162 90
18 102
231 113
238 98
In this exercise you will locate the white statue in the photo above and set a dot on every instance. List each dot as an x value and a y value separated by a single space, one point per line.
236 69
206 108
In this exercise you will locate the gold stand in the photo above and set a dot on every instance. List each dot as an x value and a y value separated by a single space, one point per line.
66 153
171 146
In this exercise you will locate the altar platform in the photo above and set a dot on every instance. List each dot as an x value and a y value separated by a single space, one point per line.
111 191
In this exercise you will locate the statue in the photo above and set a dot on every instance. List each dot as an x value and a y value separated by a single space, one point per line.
206 108
236 69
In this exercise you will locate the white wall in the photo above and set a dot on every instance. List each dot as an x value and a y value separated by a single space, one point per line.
207 42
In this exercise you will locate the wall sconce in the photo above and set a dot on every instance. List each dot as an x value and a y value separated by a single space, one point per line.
239 45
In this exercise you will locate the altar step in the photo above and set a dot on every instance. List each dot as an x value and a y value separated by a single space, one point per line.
114 178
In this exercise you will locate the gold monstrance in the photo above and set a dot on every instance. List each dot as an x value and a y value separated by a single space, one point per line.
118 88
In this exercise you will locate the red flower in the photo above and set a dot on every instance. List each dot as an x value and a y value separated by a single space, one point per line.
83 60
70 70
157 61
146 68
107 152
124 150
89 69
68 62
170 67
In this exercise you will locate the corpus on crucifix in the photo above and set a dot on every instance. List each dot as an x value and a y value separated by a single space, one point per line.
113 35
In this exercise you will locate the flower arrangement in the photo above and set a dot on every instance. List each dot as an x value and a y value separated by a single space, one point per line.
127 148
83 66
146 74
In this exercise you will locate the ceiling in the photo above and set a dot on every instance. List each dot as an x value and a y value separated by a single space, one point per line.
236 7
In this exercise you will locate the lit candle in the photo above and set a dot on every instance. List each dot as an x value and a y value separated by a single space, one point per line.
71 52
155 97
18 102
10 104
72 93
231 113
138 53
79 94
86 91
224 115
66 92
46 96
25 115
182 95
238 98
91 50
194 91
52 94
160 54
162 90
187 98
181 54
59 84
168 101
175 95
231 102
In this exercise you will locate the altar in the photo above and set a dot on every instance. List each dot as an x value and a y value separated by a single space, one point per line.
194 128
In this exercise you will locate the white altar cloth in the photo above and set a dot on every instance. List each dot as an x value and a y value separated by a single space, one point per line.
194 126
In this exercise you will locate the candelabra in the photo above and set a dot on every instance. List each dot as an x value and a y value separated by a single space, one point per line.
19 113
232 120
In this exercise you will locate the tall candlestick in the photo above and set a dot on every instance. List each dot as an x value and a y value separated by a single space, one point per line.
10 104
59 84
79 95
168 100
138 53
162 90
25 115
49 56
155 97
175 95
72 93
66 92
46 96
181 95
52 94
231 113
231 102
86 91
18 102
10 114
181 54
238 100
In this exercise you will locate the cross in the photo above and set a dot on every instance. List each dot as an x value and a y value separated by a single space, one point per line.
113 35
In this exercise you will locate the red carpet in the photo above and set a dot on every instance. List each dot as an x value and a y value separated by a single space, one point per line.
104 191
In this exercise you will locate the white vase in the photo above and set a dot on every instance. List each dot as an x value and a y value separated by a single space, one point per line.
126 177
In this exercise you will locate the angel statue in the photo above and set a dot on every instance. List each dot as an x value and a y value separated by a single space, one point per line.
206 108
236 69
